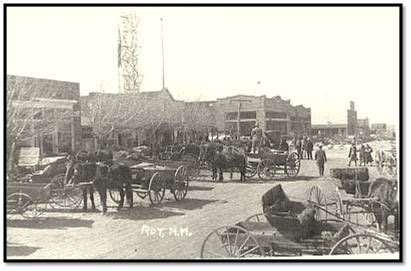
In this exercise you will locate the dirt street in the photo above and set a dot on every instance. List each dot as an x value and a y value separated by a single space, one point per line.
171 230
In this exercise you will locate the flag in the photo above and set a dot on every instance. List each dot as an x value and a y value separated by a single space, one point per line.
119 49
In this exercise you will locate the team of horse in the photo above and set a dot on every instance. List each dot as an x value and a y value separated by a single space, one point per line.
99 173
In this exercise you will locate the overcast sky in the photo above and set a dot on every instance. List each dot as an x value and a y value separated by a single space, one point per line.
316 56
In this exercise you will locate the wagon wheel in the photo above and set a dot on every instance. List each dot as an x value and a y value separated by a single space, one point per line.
62 195
266 169
114 195
194 172
363 243
141 195
250 170
316 196
156 188
22 204
180 183
231 242
292 165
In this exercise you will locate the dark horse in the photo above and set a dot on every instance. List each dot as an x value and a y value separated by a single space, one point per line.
385 194
221 159
98 170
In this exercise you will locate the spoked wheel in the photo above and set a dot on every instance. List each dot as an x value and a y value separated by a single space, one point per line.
266 169
257 218
62 195
22 204
156 188
115 196
230 242
141 195
363 243
316 196
180 183
292 165
250 169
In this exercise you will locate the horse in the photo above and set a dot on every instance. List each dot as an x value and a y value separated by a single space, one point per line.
99 170
384 193
220 159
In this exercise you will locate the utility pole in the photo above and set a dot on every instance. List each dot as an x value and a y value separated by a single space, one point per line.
238 114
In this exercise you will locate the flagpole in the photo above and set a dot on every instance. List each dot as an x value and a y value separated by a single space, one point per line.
162 49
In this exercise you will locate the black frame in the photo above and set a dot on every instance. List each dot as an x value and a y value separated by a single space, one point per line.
400 136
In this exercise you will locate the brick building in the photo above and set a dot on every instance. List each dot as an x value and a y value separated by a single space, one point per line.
129 120
240 113
43 113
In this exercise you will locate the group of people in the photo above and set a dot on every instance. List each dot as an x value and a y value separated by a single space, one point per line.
304 147
363 155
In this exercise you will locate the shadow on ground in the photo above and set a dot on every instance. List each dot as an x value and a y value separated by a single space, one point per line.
59 223
14 250
143 213
190 204
199 188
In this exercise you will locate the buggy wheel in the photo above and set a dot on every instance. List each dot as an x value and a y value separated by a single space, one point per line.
292 165
231 242
250 170
115 196
156 188
22 204
62 195
180 183
363 243
316 196
266 169
141 195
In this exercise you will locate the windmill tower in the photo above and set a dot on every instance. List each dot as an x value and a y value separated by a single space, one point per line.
129 77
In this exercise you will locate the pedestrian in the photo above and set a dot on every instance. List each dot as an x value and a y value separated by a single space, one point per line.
304 148
298 146
368 154
310 147
352 156
321 158
256 137
362 157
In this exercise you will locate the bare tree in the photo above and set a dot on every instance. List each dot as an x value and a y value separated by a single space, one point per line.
29 116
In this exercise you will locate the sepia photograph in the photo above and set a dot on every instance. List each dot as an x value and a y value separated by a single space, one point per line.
186 132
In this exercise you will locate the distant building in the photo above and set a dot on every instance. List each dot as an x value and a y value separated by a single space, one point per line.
378 128
239 114
128 120
363 127
329 130
46 111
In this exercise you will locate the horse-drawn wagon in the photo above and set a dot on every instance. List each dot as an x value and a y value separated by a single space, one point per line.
26 198
269 162
153 178
289 228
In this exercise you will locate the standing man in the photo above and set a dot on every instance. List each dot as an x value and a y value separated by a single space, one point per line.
321 158
352 155
298 146
256 137
310 147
